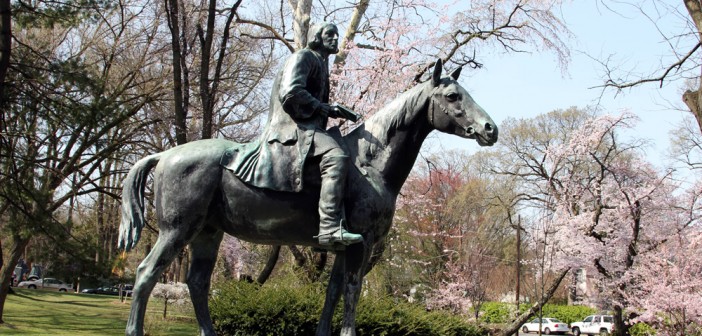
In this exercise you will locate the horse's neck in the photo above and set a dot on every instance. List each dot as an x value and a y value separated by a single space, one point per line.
390 140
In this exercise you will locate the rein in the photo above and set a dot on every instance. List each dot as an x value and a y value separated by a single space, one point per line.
432 107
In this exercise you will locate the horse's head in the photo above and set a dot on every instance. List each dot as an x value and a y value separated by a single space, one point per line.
452 110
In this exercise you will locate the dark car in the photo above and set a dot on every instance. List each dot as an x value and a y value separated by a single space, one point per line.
101 290
127 290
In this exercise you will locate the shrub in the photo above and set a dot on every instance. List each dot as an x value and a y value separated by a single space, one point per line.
498 312
240 308
641 329
567 314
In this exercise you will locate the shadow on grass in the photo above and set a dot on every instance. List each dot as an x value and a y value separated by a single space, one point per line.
36 312
58 298
9 325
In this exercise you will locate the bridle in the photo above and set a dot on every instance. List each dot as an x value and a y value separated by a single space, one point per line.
432 110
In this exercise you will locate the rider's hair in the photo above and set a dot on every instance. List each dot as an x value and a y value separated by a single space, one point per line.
314 35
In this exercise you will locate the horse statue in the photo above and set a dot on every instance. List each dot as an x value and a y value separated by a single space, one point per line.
197 199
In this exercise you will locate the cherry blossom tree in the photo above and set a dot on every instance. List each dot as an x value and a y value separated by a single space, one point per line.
612 212
667 287
449 235
417 243
388 46
238 257
174 293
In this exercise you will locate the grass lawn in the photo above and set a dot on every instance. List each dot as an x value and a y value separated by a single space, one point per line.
36 312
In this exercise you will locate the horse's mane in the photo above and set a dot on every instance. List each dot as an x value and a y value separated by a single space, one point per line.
376 132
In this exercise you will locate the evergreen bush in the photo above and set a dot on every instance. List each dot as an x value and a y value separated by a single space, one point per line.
240 308
641 329
567 314
498 312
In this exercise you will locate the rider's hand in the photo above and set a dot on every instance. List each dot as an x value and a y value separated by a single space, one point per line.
326 110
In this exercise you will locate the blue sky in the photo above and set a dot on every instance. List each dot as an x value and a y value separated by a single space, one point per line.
525 85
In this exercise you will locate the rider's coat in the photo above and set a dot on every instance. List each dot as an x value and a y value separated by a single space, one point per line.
275 161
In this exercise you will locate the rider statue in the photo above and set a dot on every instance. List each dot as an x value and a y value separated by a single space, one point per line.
296 131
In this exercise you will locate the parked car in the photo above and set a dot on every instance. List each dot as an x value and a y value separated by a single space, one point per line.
548 326
46 283
127 290
107 290
593 325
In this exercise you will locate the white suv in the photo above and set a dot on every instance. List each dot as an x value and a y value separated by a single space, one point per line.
594 325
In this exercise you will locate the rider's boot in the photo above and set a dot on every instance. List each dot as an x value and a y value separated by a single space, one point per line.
331 229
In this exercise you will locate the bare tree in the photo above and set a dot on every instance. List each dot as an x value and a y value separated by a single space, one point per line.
683 62
71 106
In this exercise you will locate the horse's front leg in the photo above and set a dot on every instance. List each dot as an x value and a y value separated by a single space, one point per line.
336 284
357 258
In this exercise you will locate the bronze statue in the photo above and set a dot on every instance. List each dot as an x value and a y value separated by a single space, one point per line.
296 134
197 199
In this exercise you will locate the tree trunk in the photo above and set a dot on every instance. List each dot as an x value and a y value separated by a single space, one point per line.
3 296
693 98
273 255
180 112
521 319
351 31
184 265
300 259
320 261
301 22
5 44
18 245
620 327
206 96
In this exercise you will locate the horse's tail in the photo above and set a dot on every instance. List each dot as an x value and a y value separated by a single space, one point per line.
133 202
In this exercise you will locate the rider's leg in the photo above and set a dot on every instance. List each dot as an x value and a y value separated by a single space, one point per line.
333 167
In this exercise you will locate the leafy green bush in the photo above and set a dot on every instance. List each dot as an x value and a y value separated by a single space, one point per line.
240 308
497 312
567 314
381 316
641 329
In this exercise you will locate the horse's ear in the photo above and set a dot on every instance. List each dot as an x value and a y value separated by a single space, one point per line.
436 76
456 73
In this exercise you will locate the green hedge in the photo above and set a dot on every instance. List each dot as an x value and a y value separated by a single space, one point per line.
497 312
641 329
567 314
240 308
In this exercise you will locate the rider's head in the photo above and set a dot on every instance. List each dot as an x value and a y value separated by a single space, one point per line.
324 38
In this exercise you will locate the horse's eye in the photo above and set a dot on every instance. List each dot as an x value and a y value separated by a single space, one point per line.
452 97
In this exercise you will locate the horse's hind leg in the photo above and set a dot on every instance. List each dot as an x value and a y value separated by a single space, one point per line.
203 251
168 245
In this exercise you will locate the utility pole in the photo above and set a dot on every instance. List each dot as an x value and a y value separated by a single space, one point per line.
519 261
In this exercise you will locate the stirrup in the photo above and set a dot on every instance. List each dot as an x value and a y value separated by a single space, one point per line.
340 236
